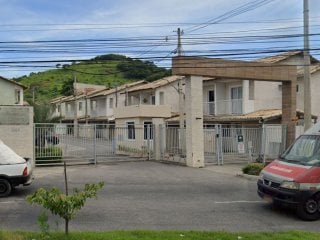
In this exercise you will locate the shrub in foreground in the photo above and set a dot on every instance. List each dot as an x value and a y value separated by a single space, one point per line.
253 168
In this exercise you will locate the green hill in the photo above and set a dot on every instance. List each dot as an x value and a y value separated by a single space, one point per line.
109 70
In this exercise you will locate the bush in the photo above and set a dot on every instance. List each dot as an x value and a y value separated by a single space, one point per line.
48 155
253 168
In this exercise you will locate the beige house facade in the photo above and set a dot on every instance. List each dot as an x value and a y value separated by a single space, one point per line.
11 92
16 119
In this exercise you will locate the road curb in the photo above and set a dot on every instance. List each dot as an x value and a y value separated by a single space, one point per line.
247 176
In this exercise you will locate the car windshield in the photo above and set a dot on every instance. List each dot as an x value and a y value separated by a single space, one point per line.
305 151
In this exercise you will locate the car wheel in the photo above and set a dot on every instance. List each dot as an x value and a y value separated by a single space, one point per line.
5 187
309 210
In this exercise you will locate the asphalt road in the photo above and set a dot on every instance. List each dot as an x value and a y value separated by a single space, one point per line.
149 195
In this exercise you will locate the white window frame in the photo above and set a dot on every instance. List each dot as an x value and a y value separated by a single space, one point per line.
111 103
151 130
128 123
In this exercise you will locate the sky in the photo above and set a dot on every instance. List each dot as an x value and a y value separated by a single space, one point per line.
38 34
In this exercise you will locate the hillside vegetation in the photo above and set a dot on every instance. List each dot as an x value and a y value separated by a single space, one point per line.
109 70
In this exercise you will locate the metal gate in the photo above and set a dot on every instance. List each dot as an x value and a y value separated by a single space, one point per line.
91 143
175 144
227 144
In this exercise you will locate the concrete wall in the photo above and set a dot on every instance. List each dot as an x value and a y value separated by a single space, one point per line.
133 147
8 93
16 129
247 103
315 96
56 113
268 95
149 111
171 95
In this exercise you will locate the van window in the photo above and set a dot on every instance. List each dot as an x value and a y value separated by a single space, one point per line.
305 151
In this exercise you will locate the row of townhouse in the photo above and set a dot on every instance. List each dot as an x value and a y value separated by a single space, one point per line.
229 101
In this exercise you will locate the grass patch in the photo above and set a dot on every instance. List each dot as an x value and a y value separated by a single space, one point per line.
163 235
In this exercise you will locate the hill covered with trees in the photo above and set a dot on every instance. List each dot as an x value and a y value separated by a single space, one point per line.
109 70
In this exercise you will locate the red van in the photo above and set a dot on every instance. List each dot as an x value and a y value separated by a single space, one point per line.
294 178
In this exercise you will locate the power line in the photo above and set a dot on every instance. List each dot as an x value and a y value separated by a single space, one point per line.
235 12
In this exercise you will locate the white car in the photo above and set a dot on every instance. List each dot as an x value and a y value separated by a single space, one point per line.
14 170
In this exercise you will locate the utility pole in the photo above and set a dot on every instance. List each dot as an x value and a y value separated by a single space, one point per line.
181 98
116 95
60 115
75 119
86 106
306 55
179 46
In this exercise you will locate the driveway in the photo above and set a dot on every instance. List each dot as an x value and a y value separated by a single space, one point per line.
150 195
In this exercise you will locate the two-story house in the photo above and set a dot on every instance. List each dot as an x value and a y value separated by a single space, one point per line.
11 92
249 101
77 106
102 103
16 118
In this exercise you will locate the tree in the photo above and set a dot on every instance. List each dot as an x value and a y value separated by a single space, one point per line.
67 88
137 69
64 205
43 113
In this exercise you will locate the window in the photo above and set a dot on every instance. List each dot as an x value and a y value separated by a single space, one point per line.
17 96
297 88
211 96
110 103
80 106
211 104
131 130
153 100
147 130
161 98
236 100
59 108
251 90
93 105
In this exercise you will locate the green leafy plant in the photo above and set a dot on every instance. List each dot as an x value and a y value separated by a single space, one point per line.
64 205
253 168
45 155
43 225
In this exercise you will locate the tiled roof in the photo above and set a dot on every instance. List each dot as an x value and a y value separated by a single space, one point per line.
283 56
13 82
155 84
113 90
266 114
313 68
279 57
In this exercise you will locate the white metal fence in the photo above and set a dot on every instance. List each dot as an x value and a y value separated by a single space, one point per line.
92 143
225 144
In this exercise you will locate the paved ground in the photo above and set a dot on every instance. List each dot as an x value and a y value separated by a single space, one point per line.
149 195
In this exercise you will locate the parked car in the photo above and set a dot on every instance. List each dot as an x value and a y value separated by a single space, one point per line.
14 170
294 178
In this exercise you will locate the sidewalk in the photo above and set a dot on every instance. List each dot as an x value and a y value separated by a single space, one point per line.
231 169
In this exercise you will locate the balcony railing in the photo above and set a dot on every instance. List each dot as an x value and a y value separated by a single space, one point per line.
223 107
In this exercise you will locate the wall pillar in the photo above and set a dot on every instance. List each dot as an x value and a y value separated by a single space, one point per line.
194 122
158 138
289 109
